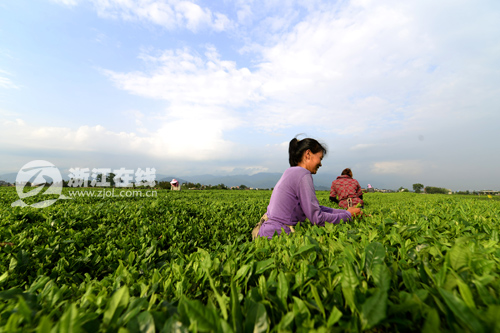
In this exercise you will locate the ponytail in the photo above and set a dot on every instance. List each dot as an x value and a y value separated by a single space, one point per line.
297 148
292 149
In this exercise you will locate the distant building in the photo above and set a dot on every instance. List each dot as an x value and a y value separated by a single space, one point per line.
489 192
383 190
174 185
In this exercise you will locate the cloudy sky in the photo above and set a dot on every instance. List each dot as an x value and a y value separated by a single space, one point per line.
400 91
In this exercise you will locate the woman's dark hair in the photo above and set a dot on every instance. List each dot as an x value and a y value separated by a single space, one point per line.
297 149
347 171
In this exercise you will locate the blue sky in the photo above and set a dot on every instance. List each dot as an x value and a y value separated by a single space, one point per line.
401 92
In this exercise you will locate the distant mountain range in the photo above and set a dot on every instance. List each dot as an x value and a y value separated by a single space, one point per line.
322 182
9 177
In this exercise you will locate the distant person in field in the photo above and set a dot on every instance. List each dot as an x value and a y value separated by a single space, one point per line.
174 185
345 190
294 197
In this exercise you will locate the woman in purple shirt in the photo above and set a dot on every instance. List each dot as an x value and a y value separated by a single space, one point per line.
294 197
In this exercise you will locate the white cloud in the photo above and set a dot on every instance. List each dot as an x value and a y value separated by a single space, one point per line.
363 146
387 65
371 66
182 77
325 72
7 114
170 14
343 64
67 2
353 68
244 13
201 92
195 132
5 82
179 140
249 170
404 167
221 22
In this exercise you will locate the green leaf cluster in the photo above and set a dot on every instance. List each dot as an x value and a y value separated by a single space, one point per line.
185 262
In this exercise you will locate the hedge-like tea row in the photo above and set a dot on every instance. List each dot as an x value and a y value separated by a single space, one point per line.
184 261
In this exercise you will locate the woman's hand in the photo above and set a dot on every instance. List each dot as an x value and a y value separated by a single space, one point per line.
355 211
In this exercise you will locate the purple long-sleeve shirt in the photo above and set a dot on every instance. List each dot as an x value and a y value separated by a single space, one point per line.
293 200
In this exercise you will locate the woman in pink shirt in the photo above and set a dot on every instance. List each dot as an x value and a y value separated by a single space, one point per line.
347 190
294 197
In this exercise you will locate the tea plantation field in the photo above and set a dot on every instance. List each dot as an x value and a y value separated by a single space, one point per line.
184 261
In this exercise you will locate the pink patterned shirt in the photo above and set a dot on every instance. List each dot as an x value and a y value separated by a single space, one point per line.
346 187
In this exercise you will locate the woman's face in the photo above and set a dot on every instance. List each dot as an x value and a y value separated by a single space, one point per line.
312 161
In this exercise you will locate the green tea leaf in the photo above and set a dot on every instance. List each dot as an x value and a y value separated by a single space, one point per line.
349 277
44 325
10 294
146 322
116 305
382 277
300 311
236 315
220 299
461 311
374 255
256 317
68 322
282 289
484 293
335 316
262 266
459 257
199 316
304 248
349 283
286 320
242 272
466 294
409 277
316 297
173 325
432 323
24 309
39 283
4 276
374 309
